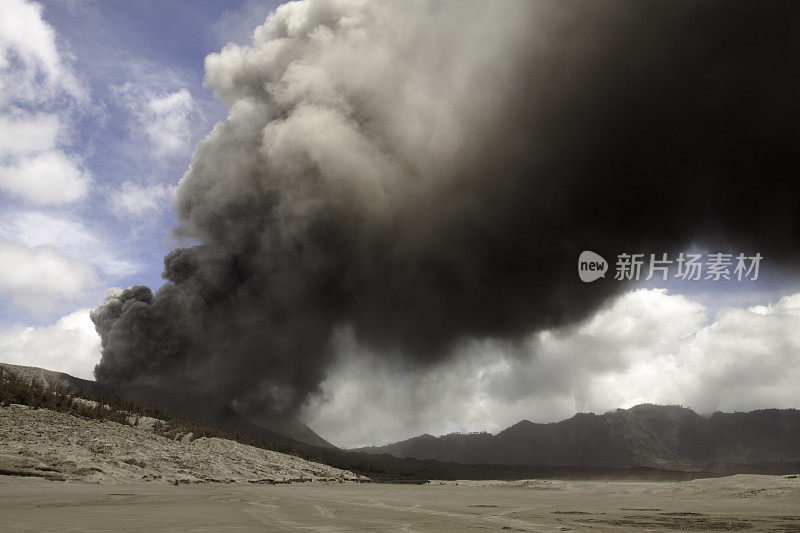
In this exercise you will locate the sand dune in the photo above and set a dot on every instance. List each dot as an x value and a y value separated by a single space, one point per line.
59 446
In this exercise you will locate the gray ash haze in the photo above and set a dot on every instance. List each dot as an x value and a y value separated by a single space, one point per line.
422 174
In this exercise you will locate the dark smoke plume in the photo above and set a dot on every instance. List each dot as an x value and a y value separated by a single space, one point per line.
427 172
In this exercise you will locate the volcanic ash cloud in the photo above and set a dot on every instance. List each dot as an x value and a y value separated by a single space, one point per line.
423 173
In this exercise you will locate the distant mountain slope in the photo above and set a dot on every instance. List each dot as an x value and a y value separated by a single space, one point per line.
646 435
271 429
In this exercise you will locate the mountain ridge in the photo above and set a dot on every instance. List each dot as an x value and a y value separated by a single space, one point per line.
646 435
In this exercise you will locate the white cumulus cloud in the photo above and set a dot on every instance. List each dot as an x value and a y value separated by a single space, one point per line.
34 167
47 178
41 279
28 134
69 345
646 346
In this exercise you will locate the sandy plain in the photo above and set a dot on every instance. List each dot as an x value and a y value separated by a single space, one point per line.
742 502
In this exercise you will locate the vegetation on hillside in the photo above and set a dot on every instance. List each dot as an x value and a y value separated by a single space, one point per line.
102 407
14 389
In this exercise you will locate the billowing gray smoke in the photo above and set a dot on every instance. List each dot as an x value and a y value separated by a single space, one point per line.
427 172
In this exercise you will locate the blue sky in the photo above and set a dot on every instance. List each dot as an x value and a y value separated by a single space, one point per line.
123 67
100 106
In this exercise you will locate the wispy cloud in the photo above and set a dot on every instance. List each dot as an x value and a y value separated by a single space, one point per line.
31 67
166 118
67 235
139 200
